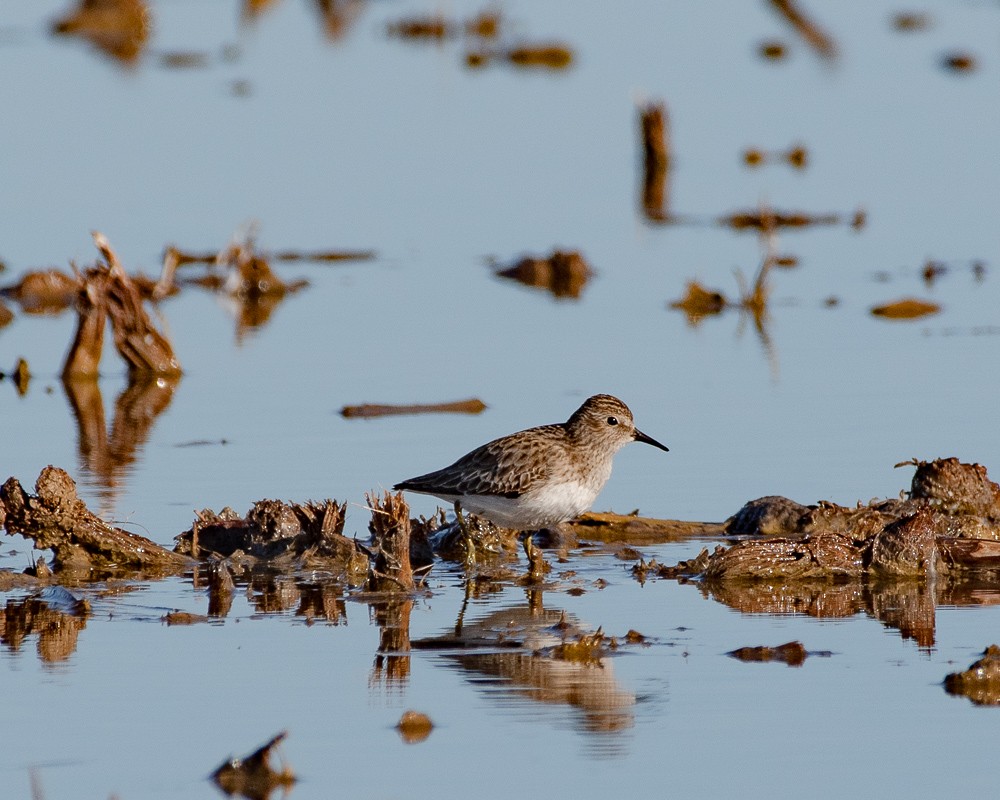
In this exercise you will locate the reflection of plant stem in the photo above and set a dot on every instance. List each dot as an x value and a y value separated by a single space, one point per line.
460 622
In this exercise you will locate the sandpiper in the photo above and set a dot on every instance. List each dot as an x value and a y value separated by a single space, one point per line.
540 476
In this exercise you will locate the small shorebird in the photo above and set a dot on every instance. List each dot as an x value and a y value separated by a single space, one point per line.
541 476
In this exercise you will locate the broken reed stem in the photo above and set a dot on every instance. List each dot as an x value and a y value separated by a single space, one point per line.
655 147
819 39
390 569
656 160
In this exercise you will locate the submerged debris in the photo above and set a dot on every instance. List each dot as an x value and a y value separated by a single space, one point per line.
769 220
907 308
56 518
20 376
47 291
533 56
430 27
959 62
367 410
699 302
772 50
981 681
414 727
908 21
253 776
564 273
796 156
119 28
791 653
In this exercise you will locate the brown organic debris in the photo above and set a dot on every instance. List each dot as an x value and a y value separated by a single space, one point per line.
791 653
108 293
368 410
981 681
655 125
959 62
21 376
253 776
770 220
563 273
119 28
772 50
810 31
183 618
950 525
955 487
278 533
587 648
390 569
908 21
796 156
56 518
700 302
430 27
907 308
47 291
537 565
414 727
485 25
544 56
637 530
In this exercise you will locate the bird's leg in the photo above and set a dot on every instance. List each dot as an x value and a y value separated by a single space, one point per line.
470 544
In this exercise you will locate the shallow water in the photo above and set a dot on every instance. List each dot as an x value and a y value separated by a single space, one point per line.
369 142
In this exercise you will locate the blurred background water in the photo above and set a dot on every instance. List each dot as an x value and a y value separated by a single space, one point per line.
340 136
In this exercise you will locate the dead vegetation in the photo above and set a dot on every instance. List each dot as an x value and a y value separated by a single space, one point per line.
369 410
907 308
118 28
806 27
254 776
55 518
564 273
655 126
793 654
896 559
980 682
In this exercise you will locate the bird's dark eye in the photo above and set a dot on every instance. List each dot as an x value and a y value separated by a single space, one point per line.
612 420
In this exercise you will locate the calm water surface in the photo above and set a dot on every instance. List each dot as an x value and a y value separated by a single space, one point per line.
363 141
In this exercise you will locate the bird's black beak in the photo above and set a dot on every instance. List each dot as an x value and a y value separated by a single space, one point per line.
641 437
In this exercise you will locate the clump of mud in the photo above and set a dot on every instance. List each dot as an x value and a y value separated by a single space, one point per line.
981 681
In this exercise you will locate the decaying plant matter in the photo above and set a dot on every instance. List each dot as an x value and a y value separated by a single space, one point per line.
56 518
108 293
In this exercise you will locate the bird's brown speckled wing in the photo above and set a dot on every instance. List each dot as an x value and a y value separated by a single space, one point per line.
508 466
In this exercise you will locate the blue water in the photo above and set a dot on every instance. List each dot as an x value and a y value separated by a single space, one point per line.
370 142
